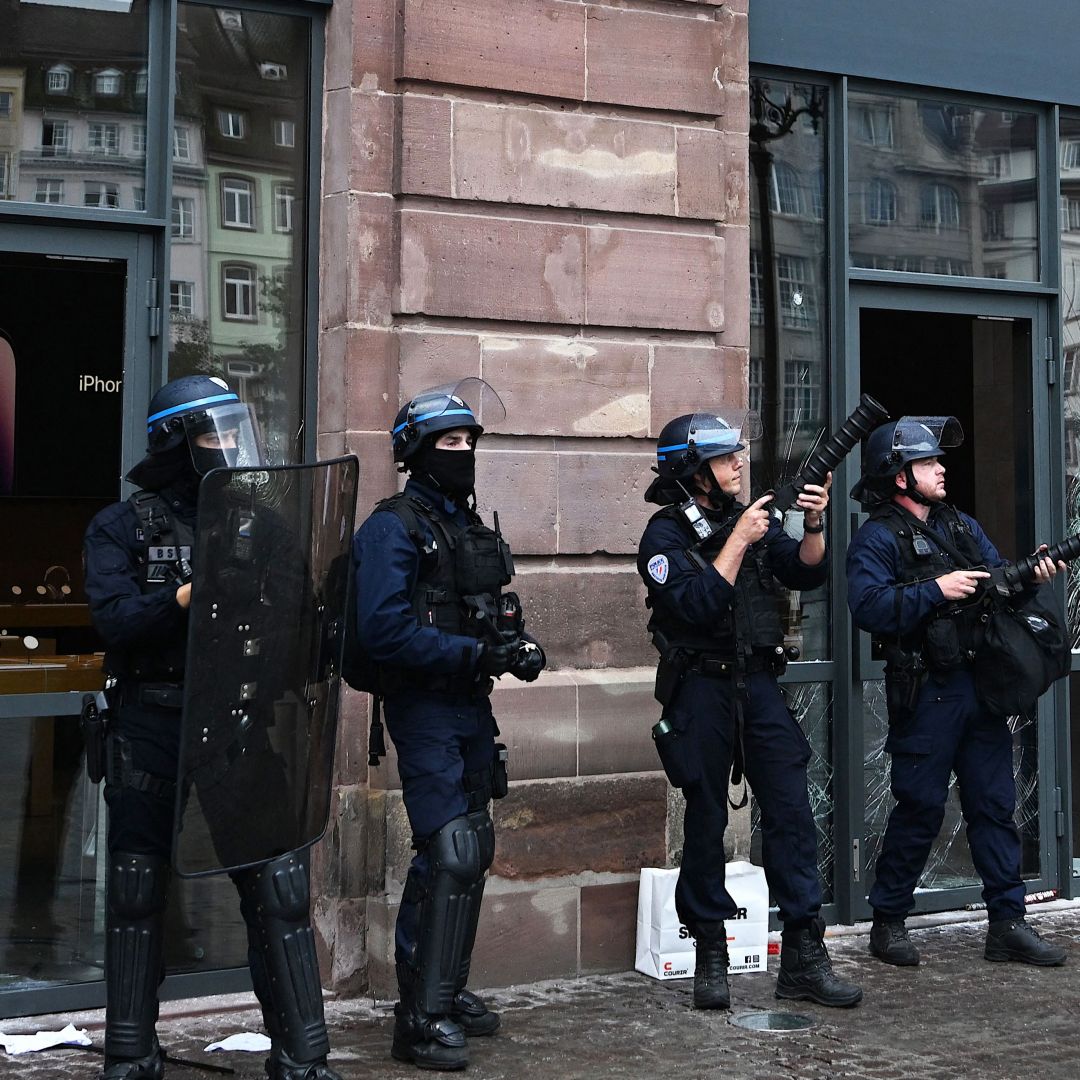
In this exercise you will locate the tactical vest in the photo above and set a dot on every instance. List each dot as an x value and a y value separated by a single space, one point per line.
164 562
752 623
462 570
922 559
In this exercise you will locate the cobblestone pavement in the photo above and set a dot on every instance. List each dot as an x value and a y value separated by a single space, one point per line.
956 1017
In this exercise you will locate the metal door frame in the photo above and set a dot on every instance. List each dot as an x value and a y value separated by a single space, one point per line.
853 648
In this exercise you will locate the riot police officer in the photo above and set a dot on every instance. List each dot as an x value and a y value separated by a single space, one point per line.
910 569
435 628
138 582
709 563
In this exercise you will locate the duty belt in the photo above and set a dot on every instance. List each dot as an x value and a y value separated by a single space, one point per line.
155 695
721 666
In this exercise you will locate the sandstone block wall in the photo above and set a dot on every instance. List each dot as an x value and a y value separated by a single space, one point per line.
550 194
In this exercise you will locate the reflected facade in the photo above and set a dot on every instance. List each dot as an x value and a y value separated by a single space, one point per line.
237 210
942 188
73 88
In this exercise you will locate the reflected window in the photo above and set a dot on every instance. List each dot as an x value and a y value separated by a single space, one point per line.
1070 154
958 188
101 194
103 138
231 124
940 207
138 139
181 147
879 203
182 297
284 133
757 299
284 197
6 101
237 203
139 198
5 169
1070 213
141 80
58 79
49 190
795 279
238 287
183 218
108 83
786 193
55 138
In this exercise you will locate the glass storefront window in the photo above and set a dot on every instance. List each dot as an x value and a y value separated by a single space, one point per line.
239 195
73 130
789 309
941 188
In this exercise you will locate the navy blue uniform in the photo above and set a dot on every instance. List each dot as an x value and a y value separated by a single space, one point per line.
442 736
949 732
702 711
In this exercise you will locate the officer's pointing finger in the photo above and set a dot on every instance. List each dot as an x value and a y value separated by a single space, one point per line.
767 497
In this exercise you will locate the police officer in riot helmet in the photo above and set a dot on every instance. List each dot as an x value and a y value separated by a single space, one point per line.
435 629
709 563
138 582
911 567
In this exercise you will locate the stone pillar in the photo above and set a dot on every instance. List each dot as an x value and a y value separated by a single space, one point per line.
552 195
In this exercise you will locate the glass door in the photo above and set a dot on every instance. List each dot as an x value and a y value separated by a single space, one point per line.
74 348
981 358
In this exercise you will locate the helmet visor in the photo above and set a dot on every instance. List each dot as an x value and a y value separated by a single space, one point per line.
927 434
716 433
224 436
472 401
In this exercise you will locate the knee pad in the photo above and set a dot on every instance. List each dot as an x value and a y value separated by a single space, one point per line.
458 849
137 886
280 888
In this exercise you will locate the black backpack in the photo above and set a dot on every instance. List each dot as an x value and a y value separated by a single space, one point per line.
1024 651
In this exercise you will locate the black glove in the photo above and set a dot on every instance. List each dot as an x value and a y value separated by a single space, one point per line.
529 662
494 660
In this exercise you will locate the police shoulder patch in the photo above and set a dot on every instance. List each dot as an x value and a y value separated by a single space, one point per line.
658 568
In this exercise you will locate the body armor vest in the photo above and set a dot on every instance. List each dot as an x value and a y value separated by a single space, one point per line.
753 621
462 570
164 562
923 560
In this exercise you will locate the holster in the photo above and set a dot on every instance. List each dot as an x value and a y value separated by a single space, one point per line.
93 722
669 673
905 674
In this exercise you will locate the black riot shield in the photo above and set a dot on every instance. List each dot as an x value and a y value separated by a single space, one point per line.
265 634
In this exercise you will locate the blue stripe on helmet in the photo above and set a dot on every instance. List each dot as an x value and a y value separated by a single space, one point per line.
428 416
699 442
217 398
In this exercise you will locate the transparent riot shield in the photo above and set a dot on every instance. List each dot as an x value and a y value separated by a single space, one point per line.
266 627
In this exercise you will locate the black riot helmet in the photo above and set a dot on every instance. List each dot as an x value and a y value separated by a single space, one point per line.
688 441
459 404
201 411
893 447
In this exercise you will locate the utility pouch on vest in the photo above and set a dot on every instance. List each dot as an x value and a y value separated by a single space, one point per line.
93 721
482 561
942 645
500 778
905 674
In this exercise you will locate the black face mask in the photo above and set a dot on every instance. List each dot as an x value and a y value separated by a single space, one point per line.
452 472
204 458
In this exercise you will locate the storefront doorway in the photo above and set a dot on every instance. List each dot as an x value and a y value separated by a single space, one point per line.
979 358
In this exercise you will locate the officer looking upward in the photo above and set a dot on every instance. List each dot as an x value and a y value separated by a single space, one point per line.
436 628
716 623
909 572
138 567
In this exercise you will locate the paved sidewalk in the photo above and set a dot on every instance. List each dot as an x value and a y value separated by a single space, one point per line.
956 1017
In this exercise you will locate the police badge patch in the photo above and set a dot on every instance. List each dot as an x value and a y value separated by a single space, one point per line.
658 568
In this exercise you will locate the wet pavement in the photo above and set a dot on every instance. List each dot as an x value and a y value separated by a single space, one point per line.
955 1017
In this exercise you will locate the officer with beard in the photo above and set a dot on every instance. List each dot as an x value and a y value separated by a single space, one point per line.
138 557
708 563
436 628
910 569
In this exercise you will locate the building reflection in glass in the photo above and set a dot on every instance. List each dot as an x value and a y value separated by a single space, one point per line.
789 308
238 210
942 188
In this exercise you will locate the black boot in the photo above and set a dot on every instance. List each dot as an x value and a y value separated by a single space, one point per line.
429 1042
150 1067
806 972
711 989
472 1015
1016 939
279 1066
889 941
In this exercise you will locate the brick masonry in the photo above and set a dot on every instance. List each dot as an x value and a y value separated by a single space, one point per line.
551 195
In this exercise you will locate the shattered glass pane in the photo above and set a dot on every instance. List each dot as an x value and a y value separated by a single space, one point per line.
949 865
812 705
